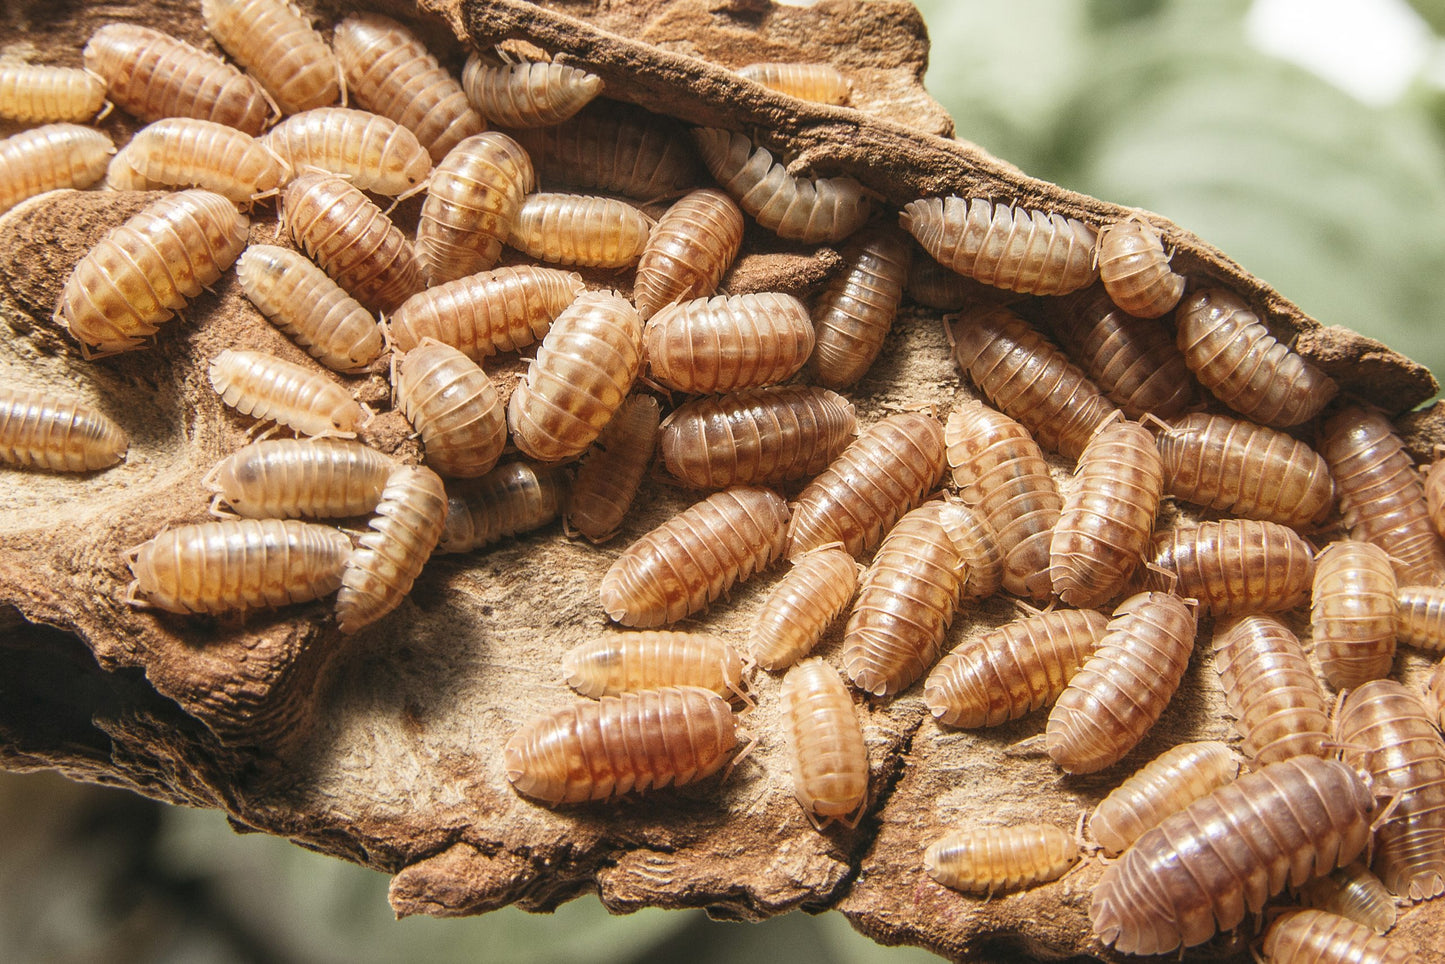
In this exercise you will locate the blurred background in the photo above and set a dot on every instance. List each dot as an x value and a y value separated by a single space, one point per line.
1303 137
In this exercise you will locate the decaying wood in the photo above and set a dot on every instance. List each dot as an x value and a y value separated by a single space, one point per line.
385 748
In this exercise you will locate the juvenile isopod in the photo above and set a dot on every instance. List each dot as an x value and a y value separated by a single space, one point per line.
513 498
285 478
812 210
988 859
50 157
1135 270
611 471
1355 893
143 272
40 94
374 153
1163 786
1352 612
724 344
812 594
600 749
650 659
475 194
60 434
690 249
1420 617
820 83
527 94
486 313
266 387
1272 692
855 312
825 744
1319 937
594 232
237 564
186 152
694 557
1232 566
454 406
318 314
1031 252
278 47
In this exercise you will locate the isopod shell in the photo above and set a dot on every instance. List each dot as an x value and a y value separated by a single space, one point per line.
1111 703
812 594
143 272
1031 252
819 83
1163 786
600 749
1352 613
760 436
855 312
650 659
988 859
389 71
50 157
513 498
285 478
690 249
475 193
1202 869
611 471
486 313
266 387
452 403
725 344
528 94
60 434
1232 566
150 75
315 311
1274 696
1420 617
1234 356
389 556
694 557
812 210
825 744
374 153
1319 937
279 48
1135 270
186 152
238 564
883 474
594 232
1355 893
40 94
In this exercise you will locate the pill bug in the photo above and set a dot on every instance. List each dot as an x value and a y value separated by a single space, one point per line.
279 48
528 94
1029 379
1385 731
285 478
389 71
1381 496
579 229
452 403
600 749
1352 612
693 558
1031 252
819 83
237 564
60 434
1420 617
826 752
151 75
374 153
1163 786
651 659
1272 693
879 477
143 272
1107 516
266 387
1135 270
690 249
813 593
41 94
1234 356
1318 937
1013 670
352 239
390 554
989 859
1232 565
513 498
611 471
50 157
1202 869
724 344
185 152
855 312
1117 695
1247 469
812 210
475 193
1355 893
579 378
315 311
489 312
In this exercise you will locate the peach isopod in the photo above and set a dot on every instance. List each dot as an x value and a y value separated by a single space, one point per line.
318 314
1232 566
374 153
1272 692
1163 786
725 344
855 312
50 157
585 230
40 94
1420 617
820 83
513 498
1135 270
1319 937
454 405
1355 893
279 48
528 94
60 434
284 478
650 659
612 470
825 744
691 247
809 597
989 859
1352 612
186 152
475 194
266 387
486 313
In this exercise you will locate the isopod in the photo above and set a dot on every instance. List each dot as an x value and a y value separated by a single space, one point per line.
1355 893
600 749
399 539
855 312
1135 270
40 94
724 344
1352 613
237 564
812 210
513 498
475 194
594 232
690 249
978 550
650 659
1273 694
1420 617
1433 480
820 83
825 744
930 283
989 859
279 47
1319 937
812 594
1232 566
318 314
528 94
612 470
1017 249
454 406
284 478
60 434
694 557
1163 786
266 387
374 153
486 313
50 157
185 152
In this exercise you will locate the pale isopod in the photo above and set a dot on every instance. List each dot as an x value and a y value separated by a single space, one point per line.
284 478
39 94
724 344
50 157
279 47
500 310
1135 270
812 594
513 498
854 313
1355 893
594 232
266 387
650 659
1420 617
314 310
475 193
825 744
59 434
1163 786
186 152
374 153
1232 566
1271 691
987 859
1319 937
529 94
611 471
820 83
1352 612
452 403
690 249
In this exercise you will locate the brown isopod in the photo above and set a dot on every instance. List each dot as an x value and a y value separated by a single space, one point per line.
825 744
1233 355
1420 617
1352 612
579 378
186 152
389 556
868 488
389 71
600 749
593 232
855 312
60 434
1111 703
454 406
318 314
1029 379
50 157
266 387
1272 693
724 344
513 498
284 478
1232 565
650 659
1319 937
40 94
691 247
1163 786
494 311
612 470
143 272
237 564
1107 516
1017 249
352 239
812 210
1355 893
1135 270
931 284
279 47
1205 867
812 594
528 94
694 557
1433 481
372 152
819 83
977 545
150 75
989 859
475 193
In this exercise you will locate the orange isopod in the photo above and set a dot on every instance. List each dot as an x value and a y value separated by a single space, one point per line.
513 498
690 249
1272 693
475 193
931 284
1232 566
694 557
989 859
1163 786
528 94
1420 617
612 470
315 311
978 549
186 152
278 47
266 387
1355 893
593 232
1319 937
724 344
374 153
812 594
60 434
825 744
650 659
50 157
452 403
40 94
480 315
1135 270
1352 612
855 312
820 83
283 478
